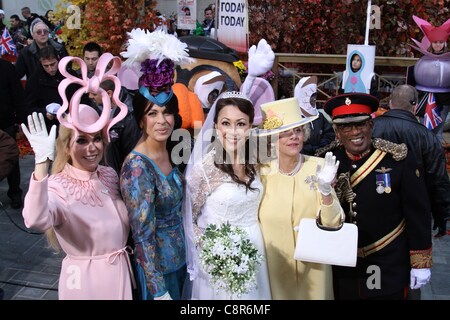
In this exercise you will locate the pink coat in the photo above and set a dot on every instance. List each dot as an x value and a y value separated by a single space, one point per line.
91 224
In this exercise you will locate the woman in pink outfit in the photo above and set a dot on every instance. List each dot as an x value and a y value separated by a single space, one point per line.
80 204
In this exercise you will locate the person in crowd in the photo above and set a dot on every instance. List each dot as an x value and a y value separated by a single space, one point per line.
123 135
322 132
41 90
30 17
9 154
12 112
42 87
50 17
91 53
80 207
430 76
18 32
382 189
152 189
2 18
208 22
28 60
398 125
151 183
306 184
356 63
223 186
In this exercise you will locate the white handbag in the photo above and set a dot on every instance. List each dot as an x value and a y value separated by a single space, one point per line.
319 244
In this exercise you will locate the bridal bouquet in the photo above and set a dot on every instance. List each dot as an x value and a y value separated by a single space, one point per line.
230 258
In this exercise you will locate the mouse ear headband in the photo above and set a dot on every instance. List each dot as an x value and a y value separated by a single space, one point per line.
74 120
156 54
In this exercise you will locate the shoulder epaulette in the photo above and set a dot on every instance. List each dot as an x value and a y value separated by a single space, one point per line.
329 147
398 151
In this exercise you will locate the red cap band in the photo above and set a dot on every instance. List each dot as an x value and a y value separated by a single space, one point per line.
351 109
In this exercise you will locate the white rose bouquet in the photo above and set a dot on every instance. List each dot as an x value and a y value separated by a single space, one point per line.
230 258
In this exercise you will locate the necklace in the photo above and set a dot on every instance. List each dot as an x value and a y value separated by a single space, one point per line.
295 170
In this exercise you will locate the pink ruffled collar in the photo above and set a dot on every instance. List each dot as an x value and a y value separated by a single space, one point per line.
80 184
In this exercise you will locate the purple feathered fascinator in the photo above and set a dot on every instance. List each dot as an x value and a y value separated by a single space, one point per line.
157 53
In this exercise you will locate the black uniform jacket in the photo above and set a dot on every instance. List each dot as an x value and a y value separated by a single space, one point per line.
388 270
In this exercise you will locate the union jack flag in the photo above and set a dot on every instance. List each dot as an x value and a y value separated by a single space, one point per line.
432 117
7 45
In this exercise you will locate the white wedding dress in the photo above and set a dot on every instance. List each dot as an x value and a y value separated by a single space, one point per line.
217 199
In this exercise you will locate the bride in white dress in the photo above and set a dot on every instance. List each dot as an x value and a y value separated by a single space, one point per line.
222 188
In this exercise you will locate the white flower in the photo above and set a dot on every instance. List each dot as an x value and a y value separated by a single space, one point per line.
230 258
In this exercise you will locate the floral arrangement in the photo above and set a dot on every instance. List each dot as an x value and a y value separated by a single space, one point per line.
229 258
272 121
157 77
241 69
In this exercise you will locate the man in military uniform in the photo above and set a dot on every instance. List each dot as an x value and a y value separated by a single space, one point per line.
382 190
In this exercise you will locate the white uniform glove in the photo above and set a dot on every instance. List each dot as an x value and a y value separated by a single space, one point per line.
165 296
327 174
419 277
43 144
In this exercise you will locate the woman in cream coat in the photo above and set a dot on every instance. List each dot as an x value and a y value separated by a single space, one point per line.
296 186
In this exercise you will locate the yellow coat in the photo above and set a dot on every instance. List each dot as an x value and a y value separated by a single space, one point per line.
286 200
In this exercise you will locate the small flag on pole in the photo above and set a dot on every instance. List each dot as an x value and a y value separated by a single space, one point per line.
432 117
7 46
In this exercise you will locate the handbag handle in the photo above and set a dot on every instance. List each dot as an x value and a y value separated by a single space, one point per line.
320 226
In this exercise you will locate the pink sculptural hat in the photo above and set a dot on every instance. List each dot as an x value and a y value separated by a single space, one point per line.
79 117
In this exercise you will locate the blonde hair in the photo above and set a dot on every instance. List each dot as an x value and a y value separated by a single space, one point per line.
62 157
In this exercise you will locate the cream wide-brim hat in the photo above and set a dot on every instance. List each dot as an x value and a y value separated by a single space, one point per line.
280 116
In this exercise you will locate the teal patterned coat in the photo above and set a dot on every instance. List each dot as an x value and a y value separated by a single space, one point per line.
154 203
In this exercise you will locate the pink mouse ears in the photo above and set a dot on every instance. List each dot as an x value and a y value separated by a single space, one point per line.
75 119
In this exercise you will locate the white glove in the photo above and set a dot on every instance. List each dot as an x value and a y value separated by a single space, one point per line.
165 296
419 277
327 174
260 59
43 144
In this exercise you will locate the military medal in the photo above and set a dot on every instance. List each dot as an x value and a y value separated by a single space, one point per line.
383 180
380 189
387 182
380 183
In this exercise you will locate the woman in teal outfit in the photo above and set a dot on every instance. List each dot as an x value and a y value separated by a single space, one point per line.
152 189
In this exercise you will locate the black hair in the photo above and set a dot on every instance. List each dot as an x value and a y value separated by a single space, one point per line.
47 52
142 105
351 60
15 17
107 85
46 14
91 47
245 106
208 8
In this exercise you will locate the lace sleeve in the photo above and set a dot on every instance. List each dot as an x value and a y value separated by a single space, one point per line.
199 191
